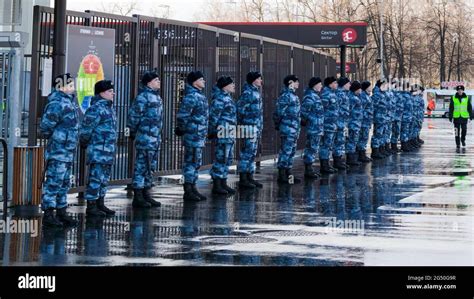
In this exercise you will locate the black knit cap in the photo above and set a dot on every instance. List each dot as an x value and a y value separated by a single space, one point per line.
460 87
62 80
289 78
224 81
343 81
252 76
314 81
148 77
355 86
194 76
103 85
329 80
380 82
365 85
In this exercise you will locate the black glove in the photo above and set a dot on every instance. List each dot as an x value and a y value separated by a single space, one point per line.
83 145
132 137
277 127
303 122
211 136
178 131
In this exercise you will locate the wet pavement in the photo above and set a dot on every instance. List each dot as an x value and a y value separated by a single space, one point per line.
409 209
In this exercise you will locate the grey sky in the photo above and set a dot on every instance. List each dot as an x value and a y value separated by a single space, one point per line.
179 9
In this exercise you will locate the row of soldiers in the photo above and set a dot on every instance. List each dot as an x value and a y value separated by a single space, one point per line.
97 134
339 116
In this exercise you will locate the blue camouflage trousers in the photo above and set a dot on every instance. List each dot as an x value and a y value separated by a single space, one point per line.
287 151
192 163
224 157
146 162
378 137
352 140
99 176
363 138
248 152
396 126
388 132
311 149
56 185
340 141
327 142
405 131
416 128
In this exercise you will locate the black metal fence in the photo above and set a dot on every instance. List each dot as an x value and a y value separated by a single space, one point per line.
174 49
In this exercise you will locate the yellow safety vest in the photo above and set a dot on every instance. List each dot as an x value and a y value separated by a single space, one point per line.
460 107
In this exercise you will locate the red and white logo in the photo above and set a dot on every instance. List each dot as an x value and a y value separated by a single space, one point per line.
349 35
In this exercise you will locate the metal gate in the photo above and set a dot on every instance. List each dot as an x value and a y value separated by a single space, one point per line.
174 49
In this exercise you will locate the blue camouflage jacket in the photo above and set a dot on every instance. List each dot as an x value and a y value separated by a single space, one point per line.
145 119
60 125
344 113
193 117
368 110
99 132
379 100
287 115
222 115
312 112
407 115
250 108
356 110
331 109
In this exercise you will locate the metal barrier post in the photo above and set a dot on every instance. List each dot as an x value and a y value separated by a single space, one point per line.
5 178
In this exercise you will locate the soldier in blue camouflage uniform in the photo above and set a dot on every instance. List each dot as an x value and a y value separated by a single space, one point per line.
421 115
287 120
59 124
192 123
312 118
367 121
355 123
250 115
98 133
222 118
344 114
418 115
380 118
331 114
391 104
398 111
145 123
407 118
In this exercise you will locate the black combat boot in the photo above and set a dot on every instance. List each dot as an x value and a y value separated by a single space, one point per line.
217 187
101 206
394 147
310 173
49 220
352 160
195 190
227 187
253 181
139 200
62 216
289 175
326 167
244 181
406 148
376 154
189 194
282 177
421 141
388 149
339 164
92 209
149 198
363 157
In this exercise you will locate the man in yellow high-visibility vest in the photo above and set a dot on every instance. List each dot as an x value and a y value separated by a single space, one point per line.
460 112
